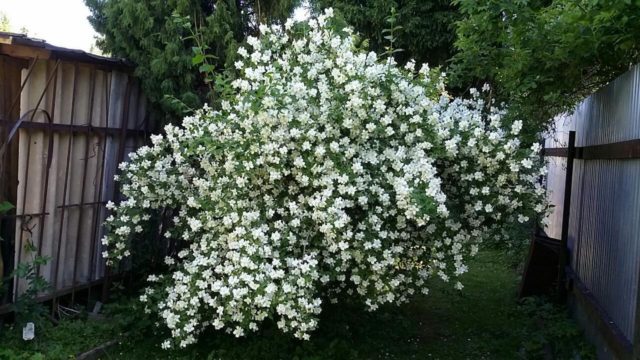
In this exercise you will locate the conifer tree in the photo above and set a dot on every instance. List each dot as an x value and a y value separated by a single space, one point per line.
152 34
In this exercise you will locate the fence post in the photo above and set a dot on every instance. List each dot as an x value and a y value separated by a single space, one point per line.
566 212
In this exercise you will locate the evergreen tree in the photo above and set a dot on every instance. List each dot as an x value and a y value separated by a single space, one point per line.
428 26
156 35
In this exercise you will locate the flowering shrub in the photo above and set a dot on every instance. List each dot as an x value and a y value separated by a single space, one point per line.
328 173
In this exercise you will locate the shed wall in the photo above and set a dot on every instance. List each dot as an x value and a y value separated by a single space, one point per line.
64 171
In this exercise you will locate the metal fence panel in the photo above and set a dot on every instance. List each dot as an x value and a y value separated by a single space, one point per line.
604 225
612 113
607 255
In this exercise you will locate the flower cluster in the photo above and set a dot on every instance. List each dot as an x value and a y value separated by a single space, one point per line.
328 173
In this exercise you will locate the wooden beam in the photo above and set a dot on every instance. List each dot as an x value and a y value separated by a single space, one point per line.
25 52
619 150
614 151
555 152
68 128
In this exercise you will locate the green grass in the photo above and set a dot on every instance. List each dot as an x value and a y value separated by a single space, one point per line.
484 321
64 341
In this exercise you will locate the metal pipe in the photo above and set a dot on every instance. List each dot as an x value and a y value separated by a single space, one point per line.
26 173
84 180
66 185
49 158
100 175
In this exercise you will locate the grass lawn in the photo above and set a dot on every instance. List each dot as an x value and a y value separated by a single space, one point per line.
482 322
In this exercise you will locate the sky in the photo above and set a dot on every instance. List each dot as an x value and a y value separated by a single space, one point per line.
59 22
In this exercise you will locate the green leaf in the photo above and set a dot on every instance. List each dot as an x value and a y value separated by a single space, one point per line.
5 206
205 68
198 59
41 260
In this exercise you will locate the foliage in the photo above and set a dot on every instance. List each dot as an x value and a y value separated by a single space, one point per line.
543 56
390 34
428 26
5 207
62 341
327 175
70 336
26 306
481 322
146 33
5 24
553 334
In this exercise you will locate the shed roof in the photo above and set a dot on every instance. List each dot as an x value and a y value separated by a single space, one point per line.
22 46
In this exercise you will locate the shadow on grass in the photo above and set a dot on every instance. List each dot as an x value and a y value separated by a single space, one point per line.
481 322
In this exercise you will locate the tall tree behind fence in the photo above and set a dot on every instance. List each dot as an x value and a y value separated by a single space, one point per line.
603 229
67 119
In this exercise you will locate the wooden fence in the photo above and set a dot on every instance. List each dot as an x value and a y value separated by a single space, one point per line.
67 119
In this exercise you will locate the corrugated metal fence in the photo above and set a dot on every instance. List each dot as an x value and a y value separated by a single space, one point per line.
604 215
65 125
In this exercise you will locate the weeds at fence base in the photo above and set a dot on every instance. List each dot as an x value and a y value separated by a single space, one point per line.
483 322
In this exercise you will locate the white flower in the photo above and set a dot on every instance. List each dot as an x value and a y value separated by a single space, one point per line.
516 127
194 224
326 172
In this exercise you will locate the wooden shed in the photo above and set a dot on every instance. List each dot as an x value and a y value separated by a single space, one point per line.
67 119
